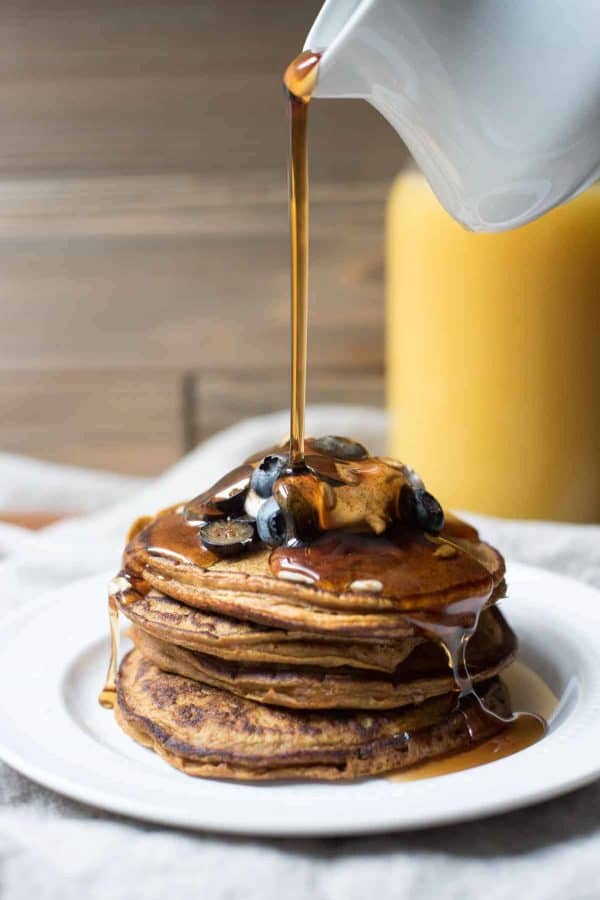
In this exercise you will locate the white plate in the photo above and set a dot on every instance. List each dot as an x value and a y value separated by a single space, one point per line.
52 664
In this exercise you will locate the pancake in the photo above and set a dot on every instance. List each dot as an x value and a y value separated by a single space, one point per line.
212 733
423 674
284 613
241 641
168 555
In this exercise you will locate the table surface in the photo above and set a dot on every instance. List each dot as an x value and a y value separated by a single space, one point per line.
143 224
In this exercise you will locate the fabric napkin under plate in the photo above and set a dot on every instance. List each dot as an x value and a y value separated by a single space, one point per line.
51 847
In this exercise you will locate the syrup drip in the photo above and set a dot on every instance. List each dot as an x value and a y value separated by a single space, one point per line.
214 502
533 693
452 628
520 729
299 79
120 588
170 535
108 694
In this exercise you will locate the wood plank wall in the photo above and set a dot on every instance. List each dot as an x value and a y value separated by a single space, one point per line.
143 227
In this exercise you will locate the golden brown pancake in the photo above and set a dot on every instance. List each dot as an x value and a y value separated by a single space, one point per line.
424 673
209 732
282 613
243 641
168 555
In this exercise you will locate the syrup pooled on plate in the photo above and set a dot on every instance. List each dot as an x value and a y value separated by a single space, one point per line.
530 691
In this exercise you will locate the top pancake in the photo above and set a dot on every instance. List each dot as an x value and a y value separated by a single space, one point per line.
168 555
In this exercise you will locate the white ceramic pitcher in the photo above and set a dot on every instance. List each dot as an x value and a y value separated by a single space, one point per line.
497 100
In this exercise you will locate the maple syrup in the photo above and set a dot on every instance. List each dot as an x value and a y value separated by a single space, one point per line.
527 689
120 588
515 732
108 694
299 79
402 561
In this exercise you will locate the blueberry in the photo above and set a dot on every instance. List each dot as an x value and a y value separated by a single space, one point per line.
270 523
227 536
420 509
340 447
266 474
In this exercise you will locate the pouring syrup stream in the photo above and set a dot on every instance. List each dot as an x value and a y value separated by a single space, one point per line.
299 79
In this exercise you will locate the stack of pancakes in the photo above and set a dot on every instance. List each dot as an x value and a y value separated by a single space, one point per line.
237 672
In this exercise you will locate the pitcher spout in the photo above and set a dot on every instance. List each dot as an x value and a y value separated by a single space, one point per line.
499 103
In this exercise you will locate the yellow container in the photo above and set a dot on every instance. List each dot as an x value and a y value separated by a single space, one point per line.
493 356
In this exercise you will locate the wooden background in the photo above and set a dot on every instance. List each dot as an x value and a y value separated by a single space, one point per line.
143 227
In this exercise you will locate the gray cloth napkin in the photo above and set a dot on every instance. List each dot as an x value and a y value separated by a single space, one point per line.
54 849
